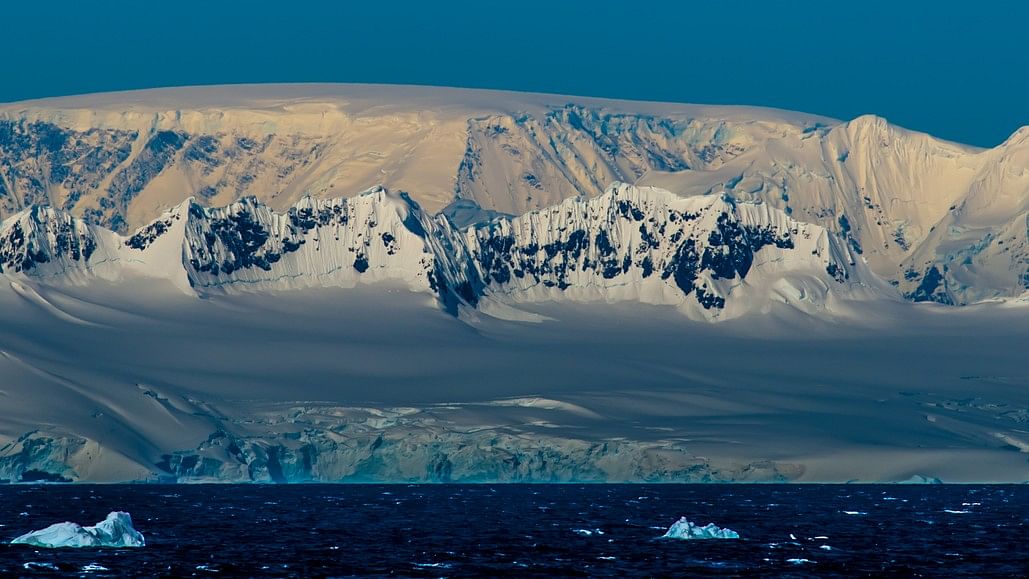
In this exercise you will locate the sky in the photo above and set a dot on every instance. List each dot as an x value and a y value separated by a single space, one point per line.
956 69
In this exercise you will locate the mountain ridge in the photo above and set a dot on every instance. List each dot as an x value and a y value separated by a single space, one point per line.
631 243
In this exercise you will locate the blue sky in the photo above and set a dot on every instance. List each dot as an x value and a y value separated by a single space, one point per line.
959 70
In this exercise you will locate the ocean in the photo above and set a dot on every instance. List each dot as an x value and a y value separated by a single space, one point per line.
527 530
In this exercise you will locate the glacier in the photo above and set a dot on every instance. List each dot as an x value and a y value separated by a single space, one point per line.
115 530
137 380
684 529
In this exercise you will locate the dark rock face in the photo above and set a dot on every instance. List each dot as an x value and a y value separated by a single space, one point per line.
933 288
44 235
683 269
236 238
127 183
709 300
33 475
849 234
836 272
147 235
579 150
361 264
638 138
44 164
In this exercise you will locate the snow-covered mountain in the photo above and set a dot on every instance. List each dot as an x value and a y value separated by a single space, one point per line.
711 256
943 222
336 283
373 237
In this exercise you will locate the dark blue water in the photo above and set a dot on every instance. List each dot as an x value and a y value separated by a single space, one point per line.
529 530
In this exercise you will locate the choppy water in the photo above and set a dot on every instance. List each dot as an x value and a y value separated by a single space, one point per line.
529 530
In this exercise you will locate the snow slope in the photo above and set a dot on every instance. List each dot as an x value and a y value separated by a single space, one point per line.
135 380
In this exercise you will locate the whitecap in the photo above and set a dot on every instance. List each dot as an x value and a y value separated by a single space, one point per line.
35 566
588 532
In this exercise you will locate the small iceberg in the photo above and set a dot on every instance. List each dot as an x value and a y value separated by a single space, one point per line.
114 531
683 529
921 479
799 561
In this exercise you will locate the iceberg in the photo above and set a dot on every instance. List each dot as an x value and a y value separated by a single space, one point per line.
114 531
799 561
921 479
683 529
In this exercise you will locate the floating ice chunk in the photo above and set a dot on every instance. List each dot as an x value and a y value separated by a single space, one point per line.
683 529
921 479
956 512
854 513
799 561
588 532
34 566
114 531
